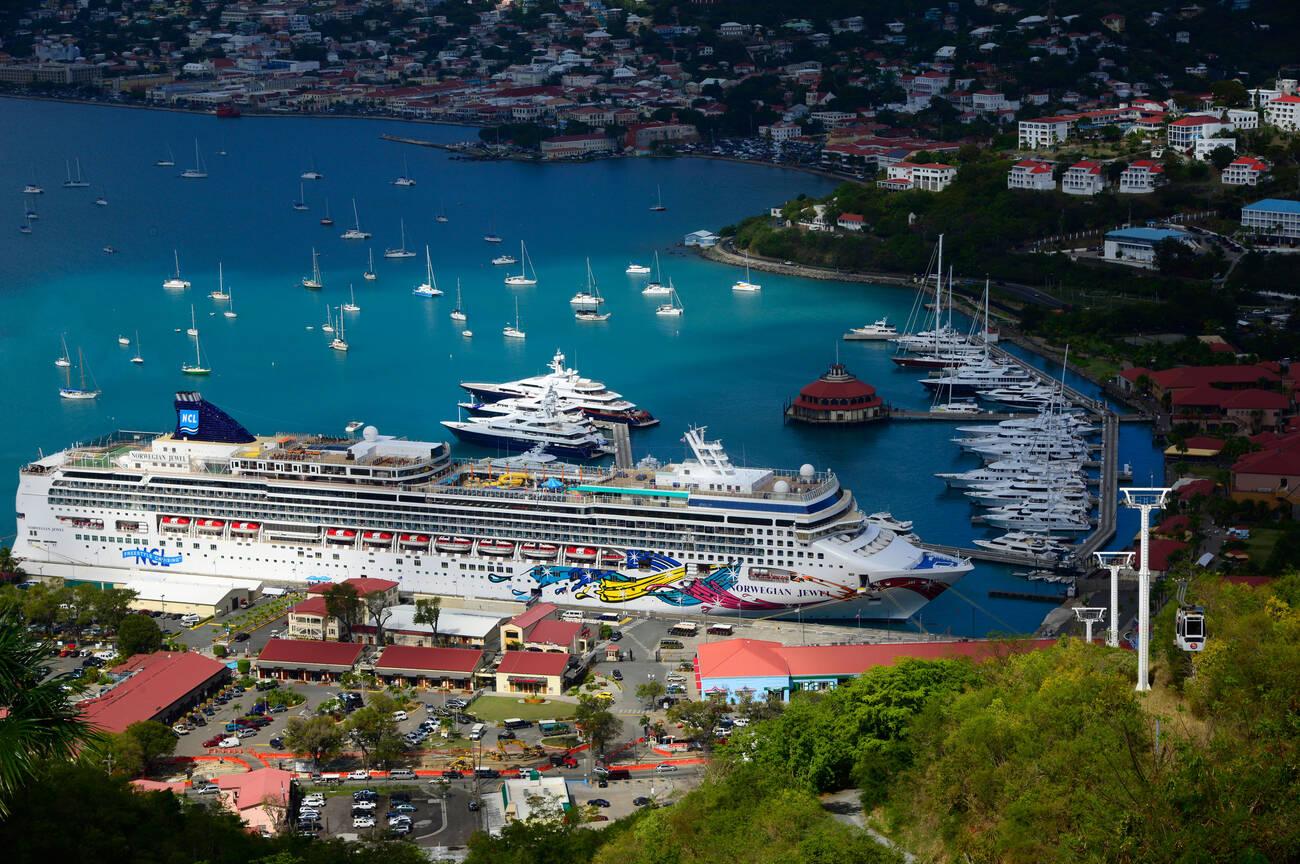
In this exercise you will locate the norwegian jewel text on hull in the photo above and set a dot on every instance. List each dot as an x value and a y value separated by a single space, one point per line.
703 535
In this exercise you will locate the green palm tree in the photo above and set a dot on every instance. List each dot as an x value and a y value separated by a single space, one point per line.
38 720
10 565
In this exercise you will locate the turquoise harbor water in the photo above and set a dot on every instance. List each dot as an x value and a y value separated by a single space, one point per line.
730 362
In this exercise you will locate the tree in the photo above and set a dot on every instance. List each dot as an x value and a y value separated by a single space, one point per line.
378 610
650 692
699 719
428 612
40 723
1231 93
598 723
139 634
1221 157
11 569
318 737
344 603
374 731
154 741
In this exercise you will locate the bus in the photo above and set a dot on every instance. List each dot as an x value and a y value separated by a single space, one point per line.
552 727
684 628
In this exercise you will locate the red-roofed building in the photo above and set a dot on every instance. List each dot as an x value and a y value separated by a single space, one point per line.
734 667
162 686
1142 177
429 667
1284 113
1033 174
294 659
516 630
1187 489
1271 475
850 222
836 397
309 620
1161 552
365 586
931 177
569 637
260 798
1245 171
1175 527
535 673
1083 178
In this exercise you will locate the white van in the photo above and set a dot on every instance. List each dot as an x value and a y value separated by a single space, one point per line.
476 733
571 615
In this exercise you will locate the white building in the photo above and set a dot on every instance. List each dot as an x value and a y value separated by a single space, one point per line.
1044 132
1205 146
1273 217
1245 171
1137 246
1183 133
907 175
1142 177
1243 118
1032 174
780 131
1284 113
1084 178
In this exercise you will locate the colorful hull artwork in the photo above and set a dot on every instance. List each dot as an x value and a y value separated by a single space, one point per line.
656 576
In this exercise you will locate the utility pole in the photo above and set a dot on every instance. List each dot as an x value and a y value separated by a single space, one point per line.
1144 500
1114 562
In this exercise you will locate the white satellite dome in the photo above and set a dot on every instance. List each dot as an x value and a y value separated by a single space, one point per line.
807 471
781 487
370 433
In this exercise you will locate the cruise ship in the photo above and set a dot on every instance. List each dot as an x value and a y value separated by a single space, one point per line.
700 536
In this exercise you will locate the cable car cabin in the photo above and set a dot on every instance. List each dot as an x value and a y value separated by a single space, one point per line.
1189 628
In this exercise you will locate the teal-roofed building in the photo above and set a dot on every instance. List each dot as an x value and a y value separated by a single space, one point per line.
1273 217
1137 246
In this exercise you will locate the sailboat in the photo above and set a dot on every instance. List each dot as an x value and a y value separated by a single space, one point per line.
428 288
355 232
220 293
658 206
67 391
169 162
312 174
745 284
33 188
102 199
230 310
77 182
458 314
123 341
64 361
674 305
406 179
199 171
197 368
442 214
656 287
400 251
26 227
525 262
339 343
369 275
31 208
590 296
194 327
351 305
301 203
313 282
176 282
328 326
137 359
327 220
514 332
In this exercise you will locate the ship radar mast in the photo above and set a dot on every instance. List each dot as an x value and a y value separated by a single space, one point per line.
709 454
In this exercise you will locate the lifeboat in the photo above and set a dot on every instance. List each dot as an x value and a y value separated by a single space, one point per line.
612 557
539 550
414 539
341 535
453 544
496 547
377 537
176 522
211 524
244 527
580 553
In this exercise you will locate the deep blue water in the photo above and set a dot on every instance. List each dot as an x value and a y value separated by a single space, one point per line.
730 362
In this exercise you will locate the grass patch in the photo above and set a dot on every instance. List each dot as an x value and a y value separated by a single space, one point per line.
566 741
496 708
1261 543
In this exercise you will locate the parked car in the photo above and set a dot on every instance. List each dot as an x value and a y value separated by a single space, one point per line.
229 742
279 709
181 729
506 735
401 774
363 821
473 804
665 768
214 741
616 635
403 807
359 774
616 675
598 802
399 716
364 805
641 801
240 637
277 743
206 789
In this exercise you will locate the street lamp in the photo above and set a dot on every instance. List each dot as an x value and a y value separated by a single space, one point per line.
1114 562
1144 500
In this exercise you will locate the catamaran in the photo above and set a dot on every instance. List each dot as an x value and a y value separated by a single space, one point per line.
514 332
77 182
458 314
339 343
492 237
355 232
745 284
674 305
199 171
406 179
429 287
526 263
176 282
312 174
301 204
400 251
369 275
590 296
220 293
197 367
351 305
313 282
67 391
656 286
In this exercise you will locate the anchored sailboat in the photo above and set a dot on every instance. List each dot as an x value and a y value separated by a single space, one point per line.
220 293
313 282
428 288
301 203
658 206
197 367
339 343
400 251
137 359
67 391
199 171
458 314
77 182
63 361
351 305
674 305
590 296
525 264
355 232
656 287
369 275
745 284
176 282
406 179
327 220
514 332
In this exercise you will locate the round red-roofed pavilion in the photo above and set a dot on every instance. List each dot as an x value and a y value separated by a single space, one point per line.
836 397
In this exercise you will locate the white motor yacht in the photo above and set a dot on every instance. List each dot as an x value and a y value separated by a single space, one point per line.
880 330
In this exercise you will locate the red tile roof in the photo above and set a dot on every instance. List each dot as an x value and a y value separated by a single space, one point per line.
533 614
156 681
255 788
364 585
1161 550
464 660
753 658
310 606
1182 377
554 632
1255 399
1188 491
748 658
310 652
533 663
1282 457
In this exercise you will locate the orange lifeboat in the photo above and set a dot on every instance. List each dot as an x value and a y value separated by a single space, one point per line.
414 539
377 537
580 553
546 551
496 547
244 527
453 544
